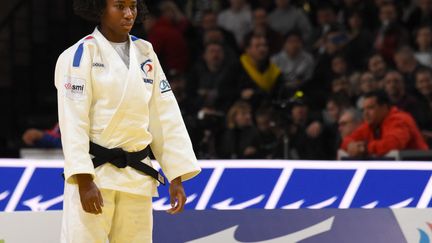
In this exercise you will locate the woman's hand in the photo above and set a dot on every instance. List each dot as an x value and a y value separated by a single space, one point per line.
177 196
91 198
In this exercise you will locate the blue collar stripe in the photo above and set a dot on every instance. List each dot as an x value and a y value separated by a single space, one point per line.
78 55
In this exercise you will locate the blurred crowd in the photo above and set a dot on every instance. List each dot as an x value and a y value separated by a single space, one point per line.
274 79
286 79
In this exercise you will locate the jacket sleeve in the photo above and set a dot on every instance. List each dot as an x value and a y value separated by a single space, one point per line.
171 144
359 134
396 138
74 91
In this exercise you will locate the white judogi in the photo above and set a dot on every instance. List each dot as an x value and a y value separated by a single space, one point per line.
102 100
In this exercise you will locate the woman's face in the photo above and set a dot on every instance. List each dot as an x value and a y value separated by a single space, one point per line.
118 18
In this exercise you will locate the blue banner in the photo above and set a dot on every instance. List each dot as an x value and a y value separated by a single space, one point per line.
280 226
37 185
254 226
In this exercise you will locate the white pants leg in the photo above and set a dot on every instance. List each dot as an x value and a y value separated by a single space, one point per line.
79 226
126 218
133 219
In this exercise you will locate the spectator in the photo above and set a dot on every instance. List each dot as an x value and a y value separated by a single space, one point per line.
394 86
327 21
167 37
360 41
390 35
378 67
336 104
349 120
261 27
334 45
341 85
407 65
201 137
339 66
368 83
421 15
424 89
237 19
208 20
364 8
268 141
197 9
424 85
208 26
295 63
257 76
287 18
385 128
217 35
43 139
424 45
187 104
240 140
207 78
305 133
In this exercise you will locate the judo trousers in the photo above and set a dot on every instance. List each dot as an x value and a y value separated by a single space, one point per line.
126 218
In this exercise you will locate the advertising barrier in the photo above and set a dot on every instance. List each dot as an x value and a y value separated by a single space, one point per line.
253 226
37 185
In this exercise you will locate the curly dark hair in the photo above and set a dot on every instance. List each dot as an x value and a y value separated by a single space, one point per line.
92 9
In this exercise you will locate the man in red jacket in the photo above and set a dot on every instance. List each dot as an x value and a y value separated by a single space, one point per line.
385 128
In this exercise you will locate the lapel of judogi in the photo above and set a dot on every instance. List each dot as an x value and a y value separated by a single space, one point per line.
125 75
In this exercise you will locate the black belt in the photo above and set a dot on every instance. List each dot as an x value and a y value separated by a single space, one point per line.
121 159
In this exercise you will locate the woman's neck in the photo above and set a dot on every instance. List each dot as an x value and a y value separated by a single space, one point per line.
110 35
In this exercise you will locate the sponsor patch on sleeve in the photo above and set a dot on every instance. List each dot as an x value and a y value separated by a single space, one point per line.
74 88
164 86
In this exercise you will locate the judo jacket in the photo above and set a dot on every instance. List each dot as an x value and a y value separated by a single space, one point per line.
101 99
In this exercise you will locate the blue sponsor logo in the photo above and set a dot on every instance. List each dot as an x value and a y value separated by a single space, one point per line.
315 189
39 197
391 188
148 81
7 186
245 188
